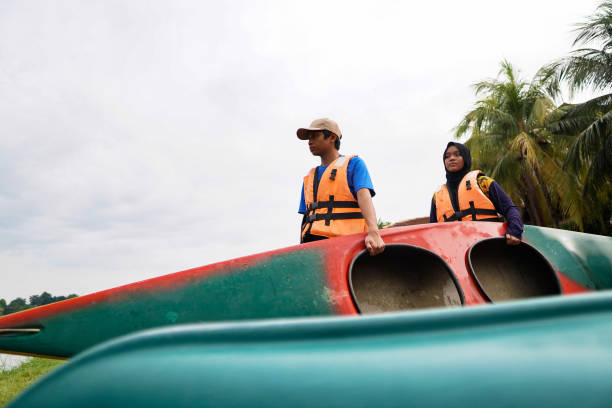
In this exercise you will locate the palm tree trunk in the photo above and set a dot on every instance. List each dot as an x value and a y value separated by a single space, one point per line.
547 199
532 198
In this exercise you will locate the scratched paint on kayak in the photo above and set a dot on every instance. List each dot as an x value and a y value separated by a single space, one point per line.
289 284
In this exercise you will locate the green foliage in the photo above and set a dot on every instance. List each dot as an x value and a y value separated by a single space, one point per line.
19 304
510 140
383 224
13 382
42 299
586 67
590 156
16 305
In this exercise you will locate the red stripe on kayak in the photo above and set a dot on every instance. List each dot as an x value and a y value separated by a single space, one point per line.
165 282
570 287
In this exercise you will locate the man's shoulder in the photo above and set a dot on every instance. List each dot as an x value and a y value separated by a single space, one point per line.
355 160
357 167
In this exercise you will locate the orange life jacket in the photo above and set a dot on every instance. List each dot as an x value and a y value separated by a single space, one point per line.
474 205
331 210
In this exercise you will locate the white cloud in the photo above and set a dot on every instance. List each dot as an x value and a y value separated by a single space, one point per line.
146 137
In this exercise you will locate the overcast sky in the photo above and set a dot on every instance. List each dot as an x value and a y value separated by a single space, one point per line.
139 138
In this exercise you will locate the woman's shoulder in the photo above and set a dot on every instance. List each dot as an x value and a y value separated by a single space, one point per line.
484 182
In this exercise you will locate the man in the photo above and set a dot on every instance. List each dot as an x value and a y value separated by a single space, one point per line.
337 195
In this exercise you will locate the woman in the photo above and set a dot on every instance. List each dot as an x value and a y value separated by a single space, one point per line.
472 196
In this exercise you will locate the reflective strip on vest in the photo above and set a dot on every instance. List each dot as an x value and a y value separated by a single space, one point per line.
336 212
474 205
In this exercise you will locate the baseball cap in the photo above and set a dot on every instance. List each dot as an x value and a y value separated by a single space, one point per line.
320 124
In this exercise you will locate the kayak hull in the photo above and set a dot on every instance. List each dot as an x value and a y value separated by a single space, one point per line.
553 351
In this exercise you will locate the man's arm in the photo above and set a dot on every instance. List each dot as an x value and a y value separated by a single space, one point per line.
373 241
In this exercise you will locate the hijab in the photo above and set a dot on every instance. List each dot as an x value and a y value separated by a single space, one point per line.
454 178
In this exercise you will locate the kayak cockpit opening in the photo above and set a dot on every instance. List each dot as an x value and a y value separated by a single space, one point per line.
403 277
505 272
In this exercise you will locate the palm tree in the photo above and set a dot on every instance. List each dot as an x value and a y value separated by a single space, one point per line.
588 68
510 141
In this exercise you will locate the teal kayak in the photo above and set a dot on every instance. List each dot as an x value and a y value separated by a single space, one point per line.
554 351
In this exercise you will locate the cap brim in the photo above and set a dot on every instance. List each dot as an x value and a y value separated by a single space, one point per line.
302 133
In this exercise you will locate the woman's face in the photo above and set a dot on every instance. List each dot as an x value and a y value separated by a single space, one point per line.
453 161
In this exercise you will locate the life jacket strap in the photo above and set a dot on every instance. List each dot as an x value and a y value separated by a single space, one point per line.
472 211
452 217
332 204
330 215
337 216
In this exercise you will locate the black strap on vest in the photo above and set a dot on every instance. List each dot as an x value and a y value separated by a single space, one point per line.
315 191
315 184
333 204
458 215
337 216
330 215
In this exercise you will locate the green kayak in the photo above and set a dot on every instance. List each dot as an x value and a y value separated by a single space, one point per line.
548 352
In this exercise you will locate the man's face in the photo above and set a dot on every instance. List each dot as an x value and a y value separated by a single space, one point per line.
318 144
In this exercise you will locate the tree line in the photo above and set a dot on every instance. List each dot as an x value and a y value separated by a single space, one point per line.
19 303
554 159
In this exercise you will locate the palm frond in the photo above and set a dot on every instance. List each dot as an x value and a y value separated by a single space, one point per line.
574 119
594 141
588 68
549 78
597 27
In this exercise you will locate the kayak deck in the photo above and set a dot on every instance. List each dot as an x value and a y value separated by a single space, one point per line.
424 266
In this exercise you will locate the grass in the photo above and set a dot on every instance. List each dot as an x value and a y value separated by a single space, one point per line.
13 382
